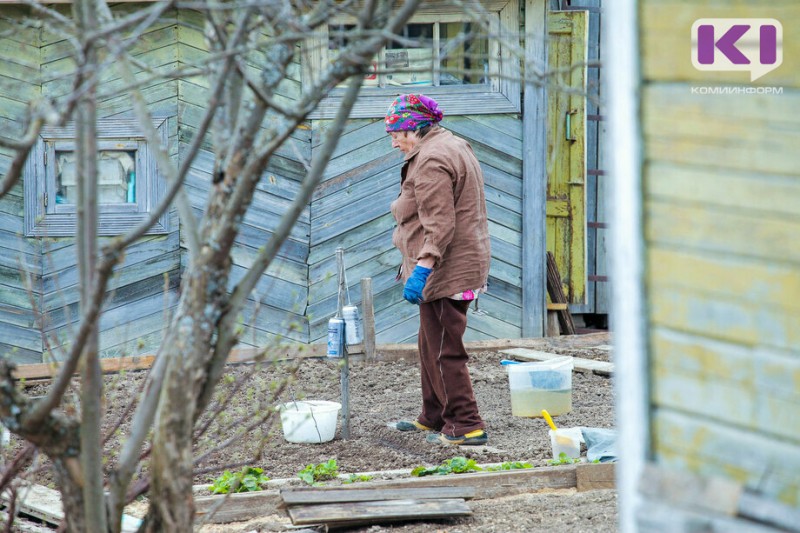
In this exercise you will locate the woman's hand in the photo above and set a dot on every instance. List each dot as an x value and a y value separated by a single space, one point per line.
415 284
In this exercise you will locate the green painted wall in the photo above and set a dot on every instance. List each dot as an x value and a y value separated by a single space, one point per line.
721 211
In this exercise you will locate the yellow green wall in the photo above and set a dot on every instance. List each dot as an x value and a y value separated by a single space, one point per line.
722 263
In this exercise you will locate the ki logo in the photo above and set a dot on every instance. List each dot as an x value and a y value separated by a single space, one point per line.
751 44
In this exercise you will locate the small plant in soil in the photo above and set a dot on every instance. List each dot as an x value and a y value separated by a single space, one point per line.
509 465
563 459
357 478
313 474
248 480
456 465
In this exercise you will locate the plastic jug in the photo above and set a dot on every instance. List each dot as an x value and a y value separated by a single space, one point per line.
541 385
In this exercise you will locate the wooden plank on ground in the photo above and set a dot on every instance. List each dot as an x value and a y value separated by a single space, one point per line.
222 509
492 484
108 365
336 495
352 513
45 504
579 363
590 476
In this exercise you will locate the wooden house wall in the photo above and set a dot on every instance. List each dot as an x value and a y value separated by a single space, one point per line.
597 290
351 209
721 204
20 258
277 309
297 295
144 287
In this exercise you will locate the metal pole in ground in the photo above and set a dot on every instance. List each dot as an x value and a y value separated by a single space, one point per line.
345 364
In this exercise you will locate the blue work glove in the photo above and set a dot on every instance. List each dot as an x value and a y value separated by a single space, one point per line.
415 283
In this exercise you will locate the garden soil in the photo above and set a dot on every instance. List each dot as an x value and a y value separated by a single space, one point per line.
381 392
387 391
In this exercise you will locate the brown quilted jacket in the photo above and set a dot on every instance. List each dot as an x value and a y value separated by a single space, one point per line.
441 212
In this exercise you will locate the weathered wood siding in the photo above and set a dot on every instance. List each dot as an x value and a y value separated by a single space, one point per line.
20 258
721 204
351 209
277 310
143 290
597 293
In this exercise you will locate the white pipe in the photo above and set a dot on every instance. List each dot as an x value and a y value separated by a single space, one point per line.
622 78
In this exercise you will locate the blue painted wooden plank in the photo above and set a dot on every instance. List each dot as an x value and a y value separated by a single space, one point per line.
20 355
507 292
67 279
60 312
362 211
502 141
274 291
22 317
257 320
365 251
351 239
320 128
506 125
376 149
495 159
280 267
292 249
490 325
505 251
500 216
13 290
198 199
501 310
502 180
384 265
344 197
505 272
367 168
25 338
502 198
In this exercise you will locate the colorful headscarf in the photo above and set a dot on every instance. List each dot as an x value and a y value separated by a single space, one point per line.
410 112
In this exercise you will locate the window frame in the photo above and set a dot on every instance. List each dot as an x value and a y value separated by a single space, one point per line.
500 95
45 218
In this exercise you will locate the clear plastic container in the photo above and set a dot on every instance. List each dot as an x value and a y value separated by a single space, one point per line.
541 385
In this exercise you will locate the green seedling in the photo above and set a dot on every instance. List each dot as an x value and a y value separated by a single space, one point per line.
313 474
563 459
515 465
248 480
456 465
356 478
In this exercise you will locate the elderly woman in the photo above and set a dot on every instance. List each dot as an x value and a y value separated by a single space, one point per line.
443 235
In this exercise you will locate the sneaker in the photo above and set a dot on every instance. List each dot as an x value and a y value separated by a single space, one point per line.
473 438
409 425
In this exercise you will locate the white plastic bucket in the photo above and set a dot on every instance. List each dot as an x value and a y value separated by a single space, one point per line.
310 421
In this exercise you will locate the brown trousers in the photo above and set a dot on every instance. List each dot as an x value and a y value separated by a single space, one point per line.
448 402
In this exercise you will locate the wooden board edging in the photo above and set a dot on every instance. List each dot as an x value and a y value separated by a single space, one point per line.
383 352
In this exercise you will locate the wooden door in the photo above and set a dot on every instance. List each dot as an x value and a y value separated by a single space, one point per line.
566 149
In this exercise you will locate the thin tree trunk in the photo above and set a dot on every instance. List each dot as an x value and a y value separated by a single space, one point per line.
202 302
91 465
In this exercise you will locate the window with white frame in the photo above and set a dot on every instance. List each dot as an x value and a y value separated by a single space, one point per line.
442 53
128 182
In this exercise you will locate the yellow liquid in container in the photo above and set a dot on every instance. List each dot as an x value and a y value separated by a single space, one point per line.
530 402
